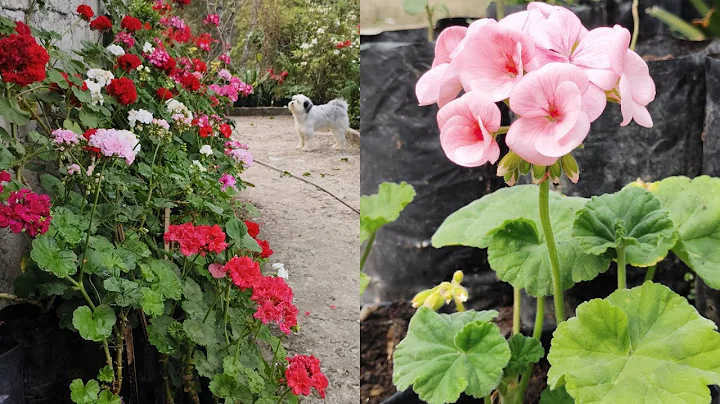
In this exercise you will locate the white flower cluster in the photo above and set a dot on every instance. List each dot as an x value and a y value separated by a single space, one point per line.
97 79
115 50
206 150
140 115
148 48
176 107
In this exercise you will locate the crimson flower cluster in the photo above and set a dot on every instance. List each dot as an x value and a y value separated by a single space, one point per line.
123 89
26 210
197 239
101 23
4 177
128 62
131 24
22 60
345 44
280 77
85 11
303 373
253 231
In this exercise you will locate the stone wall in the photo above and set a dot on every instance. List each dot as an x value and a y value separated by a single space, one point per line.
58 16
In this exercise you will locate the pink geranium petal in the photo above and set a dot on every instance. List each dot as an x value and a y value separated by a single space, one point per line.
567 102
594 102
450 87
618 48
522 138
629 108
428 87
592 51
643 87
446 43
570 141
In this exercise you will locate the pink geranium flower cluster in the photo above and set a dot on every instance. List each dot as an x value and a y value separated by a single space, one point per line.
239 152
65 137
555 75
113 142
212 19
25 210
233 88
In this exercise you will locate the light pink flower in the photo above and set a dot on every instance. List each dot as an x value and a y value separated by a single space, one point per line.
113 142
492 60
552 119
125 38
217 270
73 169
466 128
65 137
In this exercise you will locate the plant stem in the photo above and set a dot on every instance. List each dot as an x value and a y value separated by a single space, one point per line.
676 23
92 215
537 333
487 399
119 353
226 310
108 358
544 203
366 252
516 311
283 396
500 9
636 24
650 273
274 365
431 34
622 278
166 380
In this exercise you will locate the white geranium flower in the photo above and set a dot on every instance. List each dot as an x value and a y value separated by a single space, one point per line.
116 50
303 64
281 271
148 48
139 115
320 30
336 51
199 166
206 150
314 41
100 76
95 94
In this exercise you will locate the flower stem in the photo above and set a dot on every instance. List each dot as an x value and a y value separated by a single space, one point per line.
544 203
636 24
366 252
650 273
283 396
622 277
537 333
500 7
274 364
487 399
516 311
92 215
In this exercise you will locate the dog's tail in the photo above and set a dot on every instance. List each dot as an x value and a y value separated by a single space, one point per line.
339 102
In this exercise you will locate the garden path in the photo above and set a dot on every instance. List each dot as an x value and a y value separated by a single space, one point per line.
316 237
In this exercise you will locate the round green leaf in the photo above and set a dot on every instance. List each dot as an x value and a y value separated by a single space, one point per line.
525 352
445 355
642 345
694 207
152 302
49 257
384 207
95 326
632 217
473 225
81 393
519 256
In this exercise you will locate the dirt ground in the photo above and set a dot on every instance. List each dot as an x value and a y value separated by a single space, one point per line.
316 237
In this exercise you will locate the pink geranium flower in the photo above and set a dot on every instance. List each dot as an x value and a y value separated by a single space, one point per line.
492 60
466 126
430 85
217 270
227 181
553 119
636 88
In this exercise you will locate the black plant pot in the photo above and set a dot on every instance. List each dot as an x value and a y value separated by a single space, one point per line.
11 372
281 102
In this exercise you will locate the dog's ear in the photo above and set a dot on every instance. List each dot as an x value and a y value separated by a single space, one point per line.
307 105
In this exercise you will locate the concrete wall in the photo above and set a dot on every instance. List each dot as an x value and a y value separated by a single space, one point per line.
58 16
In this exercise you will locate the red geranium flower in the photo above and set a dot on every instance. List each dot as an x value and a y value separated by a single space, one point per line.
123 89
304 372
197 239
164 93
205 131
101 23
131 24
253 228
22 60
129 62
214 102
26 210
87 135
226 130
190 82
244 272
199 66
274 299
86 13
266 250
182 2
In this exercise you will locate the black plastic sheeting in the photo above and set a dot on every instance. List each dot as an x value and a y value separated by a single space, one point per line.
400 142
11 372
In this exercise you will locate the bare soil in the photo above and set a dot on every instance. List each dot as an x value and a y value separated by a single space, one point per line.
316 237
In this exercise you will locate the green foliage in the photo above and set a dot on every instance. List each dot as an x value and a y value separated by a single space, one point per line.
444 355
646 344
384 207
94 325
81 393
525 352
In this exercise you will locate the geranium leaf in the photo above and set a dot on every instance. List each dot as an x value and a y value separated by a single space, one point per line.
642 345
632 217
444 355
199 332
525 352
11 111
159 337
49 257
81 393
124 291
384 207
152 302
107 397
95 326
165 280
70 226
519 256
694 207
557 396
106 374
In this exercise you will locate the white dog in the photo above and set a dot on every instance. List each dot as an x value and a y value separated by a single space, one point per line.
332 116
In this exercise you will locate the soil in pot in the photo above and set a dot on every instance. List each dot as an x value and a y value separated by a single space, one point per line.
380 333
